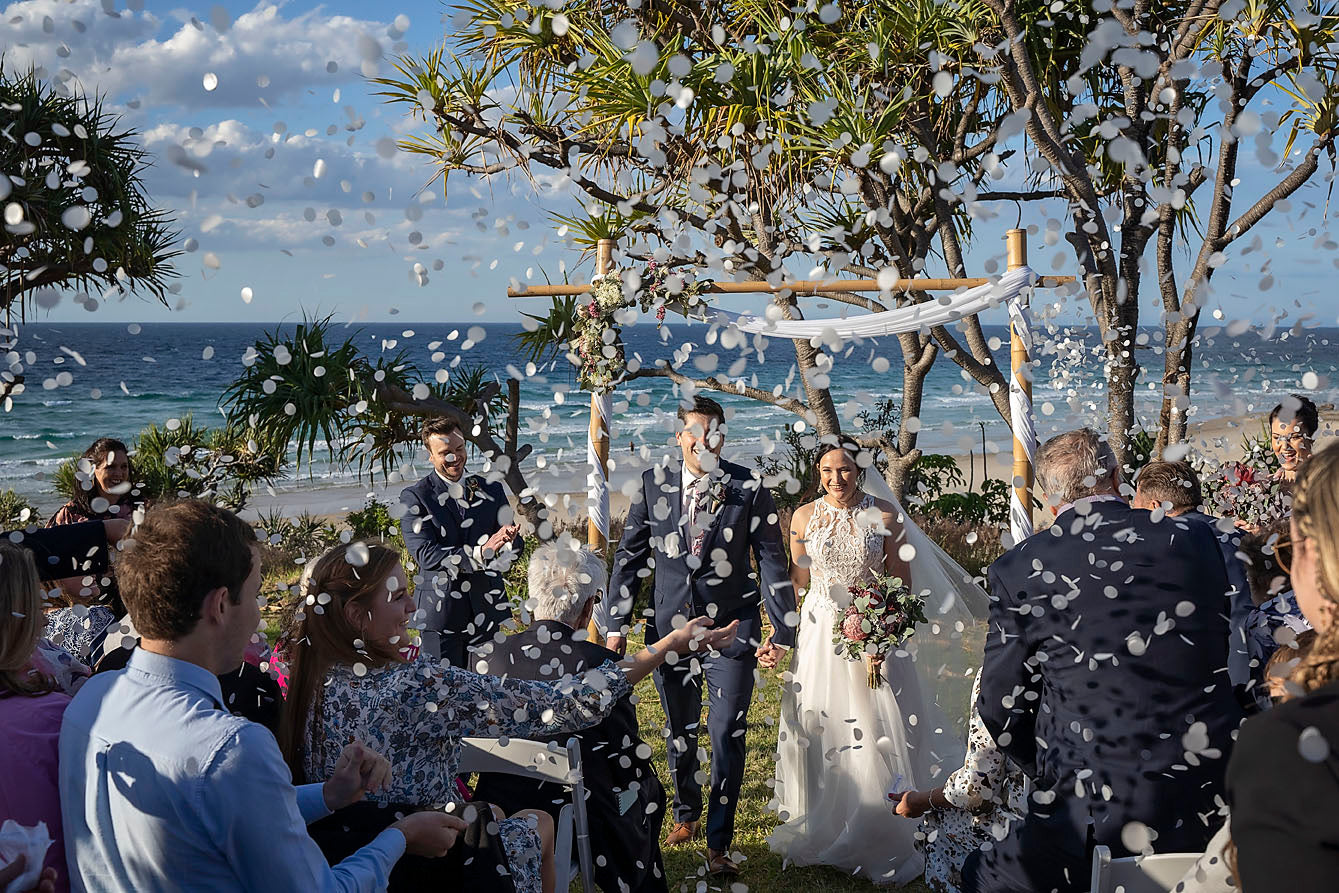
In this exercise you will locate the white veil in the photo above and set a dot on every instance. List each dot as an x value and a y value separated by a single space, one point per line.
947 648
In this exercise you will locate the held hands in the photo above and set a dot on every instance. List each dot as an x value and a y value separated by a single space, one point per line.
430 833
359 771
769 655
697 635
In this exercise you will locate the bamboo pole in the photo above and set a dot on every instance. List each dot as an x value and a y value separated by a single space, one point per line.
1015 242
803 286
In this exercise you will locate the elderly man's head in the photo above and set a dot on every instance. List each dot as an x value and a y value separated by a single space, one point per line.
565 581
1075 465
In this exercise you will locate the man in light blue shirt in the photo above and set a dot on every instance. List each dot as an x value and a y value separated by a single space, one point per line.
162 788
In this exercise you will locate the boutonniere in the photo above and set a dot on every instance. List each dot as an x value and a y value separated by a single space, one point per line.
472 488
715 494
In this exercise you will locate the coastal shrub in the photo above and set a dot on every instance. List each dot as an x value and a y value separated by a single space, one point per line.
989 505
16 512
303 537
374 521
971 544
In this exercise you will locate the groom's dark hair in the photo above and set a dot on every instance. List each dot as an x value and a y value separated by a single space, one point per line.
703 406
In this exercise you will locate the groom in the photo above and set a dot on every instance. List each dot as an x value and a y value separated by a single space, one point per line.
696 524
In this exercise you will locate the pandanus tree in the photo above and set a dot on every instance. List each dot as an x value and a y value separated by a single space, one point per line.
76 213
735 140
308 386
1136 115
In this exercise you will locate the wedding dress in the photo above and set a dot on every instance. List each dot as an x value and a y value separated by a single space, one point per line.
842 745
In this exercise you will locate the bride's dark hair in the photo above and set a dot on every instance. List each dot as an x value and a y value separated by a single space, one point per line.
830 444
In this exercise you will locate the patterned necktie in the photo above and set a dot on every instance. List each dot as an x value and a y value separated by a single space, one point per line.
694 509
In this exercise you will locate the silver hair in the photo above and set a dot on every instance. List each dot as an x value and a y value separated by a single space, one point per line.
563 577
1075 464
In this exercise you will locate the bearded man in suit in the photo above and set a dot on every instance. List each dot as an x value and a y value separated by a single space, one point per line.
459 529
695 527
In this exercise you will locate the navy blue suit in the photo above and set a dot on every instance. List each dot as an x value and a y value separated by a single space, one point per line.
721 585
461 598
1104 679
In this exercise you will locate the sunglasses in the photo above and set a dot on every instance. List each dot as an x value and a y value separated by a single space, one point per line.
1283 542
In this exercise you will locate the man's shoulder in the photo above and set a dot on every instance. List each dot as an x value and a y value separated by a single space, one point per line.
421 488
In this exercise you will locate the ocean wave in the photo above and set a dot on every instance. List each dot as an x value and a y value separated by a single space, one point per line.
57 402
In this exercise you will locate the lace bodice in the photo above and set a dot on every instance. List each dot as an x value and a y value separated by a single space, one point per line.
844 547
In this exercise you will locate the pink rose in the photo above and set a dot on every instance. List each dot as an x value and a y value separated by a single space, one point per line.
851 628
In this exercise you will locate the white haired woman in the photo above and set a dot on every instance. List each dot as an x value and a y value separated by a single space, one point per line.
624 796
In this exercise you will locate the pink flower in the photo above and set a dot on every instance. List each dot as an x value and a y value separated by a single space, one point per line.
851 628
593 309
660 313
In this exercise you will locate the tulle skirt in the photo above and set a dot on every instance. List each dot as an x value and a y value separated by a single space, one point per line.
842 745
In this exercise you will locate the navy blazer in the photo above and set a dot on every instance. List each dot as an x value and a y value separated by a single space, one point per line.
1105 667
1241 604
656 540
457 594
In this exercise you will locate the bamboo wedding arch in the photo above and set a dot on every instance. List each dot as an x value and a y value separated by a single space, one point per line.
1013 290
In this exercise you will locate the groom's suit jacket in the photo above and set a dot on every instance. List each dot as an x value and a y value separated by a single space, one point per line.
656 540
461 594
1105 670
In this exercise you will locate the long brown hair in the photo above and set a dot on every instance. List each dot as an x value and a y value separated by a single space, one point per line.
21 621
85 491
322 637
1316 514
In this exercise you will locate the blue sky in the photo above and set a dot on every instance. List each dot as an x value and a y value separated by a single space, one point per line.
237 165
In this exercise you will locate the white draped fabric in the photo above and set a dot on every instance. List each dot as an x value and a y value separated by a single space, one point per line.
1013 290
597 479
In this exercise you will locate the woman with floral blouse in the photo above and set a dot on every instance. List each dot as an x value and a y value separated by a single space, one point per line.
977 803
349 678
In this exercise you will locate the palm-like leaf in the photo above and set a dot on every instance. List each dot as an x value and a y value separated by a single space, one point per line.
87 222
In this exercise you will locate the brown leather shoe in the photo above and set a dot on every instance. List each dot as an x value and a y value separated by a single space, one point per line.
721 865
683 832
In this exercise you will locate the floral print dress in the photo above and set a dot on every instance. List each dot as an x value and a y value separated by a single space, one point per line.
416 713
988 793
77 629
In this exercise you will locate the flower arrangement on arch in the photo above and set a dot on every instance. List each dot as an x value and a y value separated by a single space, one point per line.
882 615
596 343
662 286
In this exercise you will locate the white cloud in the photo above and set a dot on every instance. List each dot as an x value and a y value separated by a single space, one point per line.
261 56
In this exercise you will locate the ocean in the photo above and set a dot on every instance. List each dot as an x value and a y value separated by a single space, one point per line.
87 380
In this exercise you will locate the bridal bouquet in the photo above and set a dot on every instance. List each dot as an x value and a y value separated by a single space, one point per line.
1251 495
882 615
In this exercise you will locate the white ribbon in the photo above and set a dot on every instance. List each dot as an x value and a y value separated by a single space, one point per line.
1013 290
1020 410
941 311
597 479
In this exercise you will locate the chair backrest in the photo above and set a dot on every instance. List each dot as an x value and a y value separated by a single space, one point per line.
516 756
1139 874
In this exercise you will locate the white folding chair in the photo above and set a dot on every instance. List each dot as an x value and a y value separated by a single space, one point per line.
543 762
1138 874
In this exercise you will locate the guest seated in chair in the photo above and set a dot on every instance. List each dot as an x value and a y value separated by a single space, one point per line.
160 787
625 799
349 678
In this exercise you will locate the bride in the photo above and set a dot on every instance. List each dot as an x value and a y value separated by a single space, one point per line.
843 746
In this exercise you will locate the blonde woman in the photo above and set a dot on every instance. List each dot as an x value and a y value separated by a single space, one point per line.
1283 780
